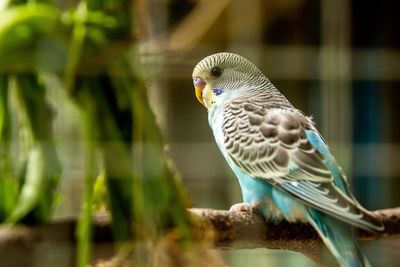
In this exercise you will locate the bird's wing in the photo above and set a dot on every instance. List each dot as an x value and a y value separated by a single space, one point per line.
339 177
272 144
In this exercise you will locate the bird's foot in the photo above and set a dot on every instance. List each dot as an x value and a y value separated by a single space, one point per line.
243 207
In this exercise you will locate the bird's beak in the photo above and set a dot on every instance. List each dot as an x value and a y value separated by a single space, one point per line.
199 85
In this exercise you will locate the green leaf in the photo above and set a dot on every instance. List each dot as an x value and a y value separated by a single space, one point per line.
38 192
23 33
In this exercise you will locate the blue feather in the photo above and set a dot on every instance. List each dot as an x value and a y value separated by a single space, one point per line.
218 91
275 203
339 238
320 145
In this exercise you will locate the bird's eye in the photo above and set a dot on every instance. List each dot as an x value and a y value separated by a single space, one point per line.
216 71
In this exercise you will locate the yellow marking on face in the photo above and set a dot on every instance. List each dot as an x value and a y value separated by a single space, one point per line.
208 97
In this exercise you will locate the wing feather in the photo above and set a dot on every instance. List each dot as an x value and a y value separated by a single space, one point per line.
272 144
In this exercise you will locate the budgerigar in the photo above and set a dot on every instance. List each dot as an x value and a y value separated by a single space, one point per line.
283 165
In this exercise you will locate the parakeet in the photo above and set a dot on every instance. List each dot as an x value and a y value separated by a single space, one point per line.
283 164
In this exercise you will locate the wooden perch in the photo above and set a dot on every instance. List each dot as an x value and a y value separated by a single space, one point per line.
244 230
230 230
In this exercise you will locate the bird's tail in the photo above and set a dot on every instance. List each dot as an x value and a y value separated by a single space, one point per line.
339 239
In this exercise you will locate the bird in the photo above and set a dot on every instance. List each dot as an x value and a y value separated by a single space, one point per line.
284 166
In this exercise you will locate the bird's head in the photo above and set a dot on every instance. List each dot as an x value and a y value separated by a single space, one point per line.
224 74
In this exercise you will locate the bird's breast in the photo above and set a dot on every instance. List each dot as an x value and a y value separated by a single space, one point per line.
215 120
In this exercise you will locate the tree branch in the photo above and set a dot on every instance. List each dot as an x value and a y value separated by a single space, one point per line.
244 230
229 230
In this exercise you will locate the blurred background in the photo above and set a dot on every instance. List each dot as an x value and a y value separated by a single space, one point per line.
336 60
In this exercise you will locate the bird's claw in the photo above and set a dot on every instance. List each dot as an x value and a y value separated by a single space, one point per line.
242 207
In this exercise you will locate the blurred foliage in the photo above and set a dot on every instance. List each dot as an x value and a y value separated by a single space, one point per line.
88 47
